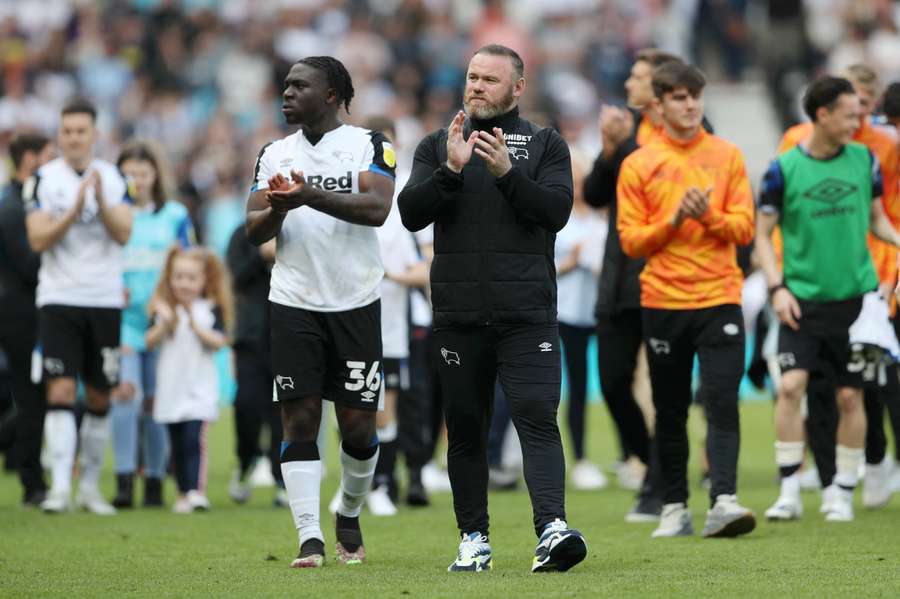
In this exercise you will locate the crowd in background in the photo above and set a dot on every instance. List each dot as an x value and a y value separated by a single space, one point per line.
203 77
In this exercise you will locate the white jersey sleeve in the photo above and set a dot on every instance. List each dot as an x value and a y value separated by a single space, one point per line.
263 169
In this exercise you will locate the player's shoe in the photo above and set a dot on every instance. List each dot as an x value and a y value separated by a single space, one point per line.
785 508
380 503
647 509
876 492
312 555
841 507
560 548
239 488
198 501
829 496
675 521
349 547
587 477
630 475
728 518
89 498
436 480
474 554
56 502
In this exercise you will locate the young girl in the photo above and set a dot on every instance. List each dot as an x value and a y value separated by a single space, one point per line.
190 312
159 223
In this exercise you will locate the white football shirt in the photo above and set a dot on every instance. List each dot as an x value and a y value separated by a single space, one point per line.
84 268
322 263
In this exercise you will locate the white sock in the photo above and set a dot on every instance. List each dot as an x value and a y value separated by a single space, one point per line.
302 480
94 434
847 461
387 433
60 436
356 480
789 454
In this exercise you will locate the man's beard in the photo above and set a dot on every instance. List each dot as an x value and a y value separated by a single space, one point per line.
488 110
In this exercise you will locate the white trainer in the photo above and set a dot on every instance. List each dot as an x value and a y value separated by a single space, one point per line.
240 490
436 480
630 474
261 475
380 503
785 508
90 499
198 501
829 496
674 522
728 518
876 492
841 508
586 476
809 479
182 506
57 502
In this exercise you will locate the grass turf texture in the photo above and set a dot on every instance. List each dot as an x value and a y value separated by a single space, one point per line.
245 550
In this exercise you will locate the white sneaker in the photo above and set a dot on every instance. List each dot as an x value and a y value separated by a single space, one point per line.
876 492
630 475
261 475
436 480
829 496
728 518
239 490
785 508
587 477
90 499
198 501
474 554
894 477
809 479
674 522
380 503
841 508
182 505
57 502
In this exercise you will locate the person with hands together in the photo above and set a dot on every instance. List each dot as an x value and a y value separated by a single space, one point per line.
684 204
497 189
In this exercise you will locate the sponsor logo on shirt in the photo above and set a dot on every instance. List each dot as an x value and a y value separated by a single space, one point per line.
336 184
390 157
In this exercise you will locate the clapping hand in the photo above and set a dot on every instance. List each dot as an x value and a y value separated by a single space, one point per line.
459 149
286 194
492 148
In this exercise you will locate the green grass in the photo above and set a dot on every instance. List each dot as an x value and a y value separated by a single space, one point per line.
245 551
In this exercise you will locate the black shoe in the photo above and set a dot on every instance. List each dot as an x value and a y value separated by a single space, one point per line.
416 495
153 492
647 509
34 498
124 491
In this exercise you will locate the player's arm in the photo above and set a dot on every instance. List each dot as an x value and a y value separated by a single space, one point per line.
881 225
639 236
369 207
427 191
547 200
45 230
117 217
263 220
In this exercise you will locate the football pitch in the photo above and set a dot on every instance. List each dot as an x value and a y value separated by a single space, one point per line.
244 551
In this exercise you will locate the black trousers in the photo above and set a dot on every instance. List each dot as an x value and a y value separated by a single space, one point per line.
254 408
619 338
575 342
821 424
415 406
527 361
18 340
716 336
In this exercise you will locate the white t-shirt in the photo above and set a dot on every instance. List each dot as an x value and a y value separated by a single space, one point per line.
322 263
422 314
181 398
398 252
577 289
84 268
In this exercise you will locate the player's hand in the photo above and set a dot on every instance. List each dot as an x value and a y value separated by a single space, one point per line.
786 307
492 148
459 149
286 194
98 190
86 183
696 202
616 125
